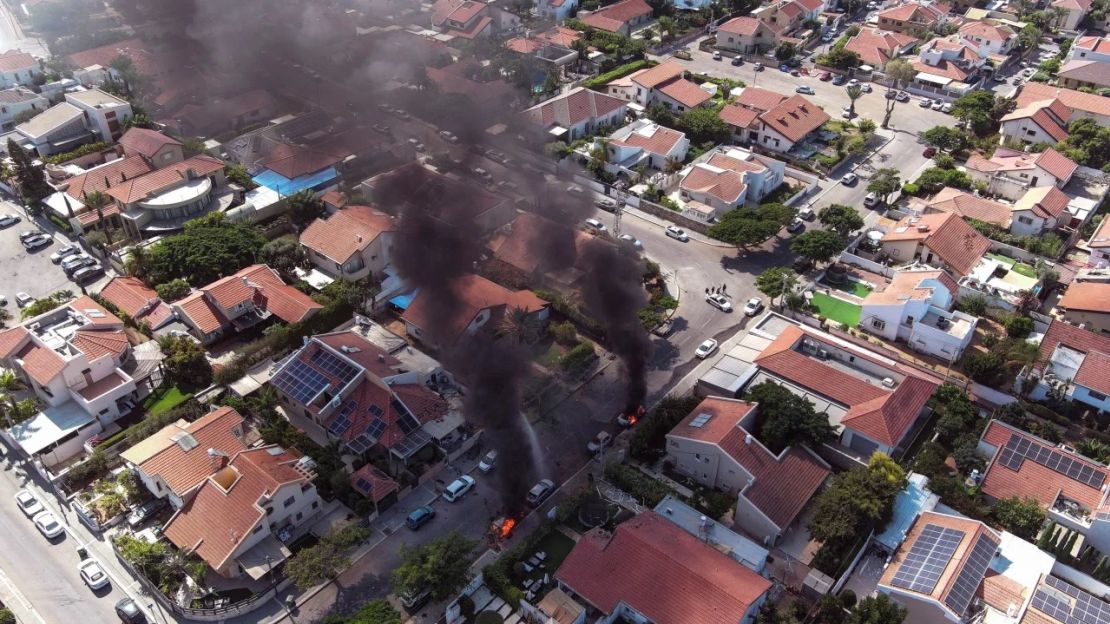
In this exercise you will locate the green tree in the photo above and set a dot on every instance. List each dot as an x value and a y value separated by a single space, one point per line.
521 327
666 26
856 500
840 218
29 176
208 248
6 616
786 418
1030 37
1023 518
877 610
173 290
987 368
316 564
185 361
866 126
899 72
374 612
283 255
977 109
775 212
136 261
738 227
238 174
1012 414
885 183
305 207
1088 143
439 566
704 125
945 138
1018 326
46 304
839 58
933 179
854 92
777 281
786 51
818 245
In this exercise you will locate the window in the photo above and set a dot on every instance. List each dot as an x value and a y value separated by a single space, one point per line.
878 324
315 504
158 485
299 516
1031 132
289 501
909 321
1025 220
1098 396
257 528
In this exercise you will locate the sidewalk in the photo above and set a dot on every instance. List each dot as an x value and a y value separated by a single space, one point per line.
663 223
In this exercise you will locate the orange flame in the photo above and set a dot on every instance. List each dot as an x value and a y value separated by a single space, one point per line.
507 527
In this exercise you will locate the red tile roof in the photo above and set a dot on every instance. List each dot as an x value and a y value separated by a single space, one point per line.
882 415
1094 371
40 364
373 483
142 187
230 291
1033 480
1101 238
573 108
743 26
794 118
11 340
97 344
984 30
653 138
1088 102
185 464
145 142
724 184
660 74
474 294
947 235
1093 43
943 68
216 520
910 284
1047 202
759 99
911 12
363 352
276 297
346 232
661 571
293 161
613 17
875 47
140 53
519 246
105 176
16 60
204 315
96 315
1055 163
452 79
970 206
129 295
1001 591
684 92
737 116
556 35
1089 296
781 486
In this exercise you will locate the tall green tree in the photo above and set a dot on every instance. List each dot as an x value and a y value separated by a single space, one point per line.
209 247
945 138
1023 518
374 612
786 418
185 361
786 51
777 281
740 228
29 175
818 245
439 566
840 218
854 92
900 73
885 183
877 610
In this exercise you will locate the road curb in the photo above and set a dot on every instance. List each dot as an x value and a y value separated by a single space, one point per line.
658 221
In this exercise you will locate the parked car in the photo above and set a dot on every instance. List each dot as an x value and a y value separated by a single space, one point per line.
458 488
719 301
677 233
783 67
23 236
600 441
413 601
925 103
753 306
448 136
128 612
929 152
807 213
47 524
683 54
804 89
28 504
482 173
866 87
871 199
144 512
839 79
903 96
737 61
937 105
577 191
758 67
417 144
74 262
489 461
87 274
596 225
824 76
380 127
946 107
84 263
8 220
716 55
663 329
37 242
63 253
849 179
92 573
539 492
706 349
419 517
23 300
607 205
631 241
795 225
853 82
827 38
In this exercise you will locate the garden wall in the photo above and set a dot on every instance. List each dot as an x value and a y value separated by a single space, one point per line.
863 263
1018 253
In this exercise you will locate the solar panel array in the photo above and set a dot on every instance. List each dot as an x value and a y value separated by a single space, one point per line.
1069 604
700 420
927 559
300 382
1020 448
328 362
376 428
405 419
963 590
342 420
363 485
361 444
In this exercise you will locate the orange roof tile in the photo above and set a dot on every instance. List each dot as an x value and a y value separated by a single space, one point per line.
183 461
12 339
293 161
277 297
346 232
660 74
1089 296
96 315
105 176
373 483
204 315
701 585
142 187
145 142
724 184
656 139
759 99
875 47
574 107
97 344
909 284
1094 371
613 17
685 92
474 294
129 294
970 206
40 363
1088 102
794 118
1056 164
947 235
16 60
737 116
1001 592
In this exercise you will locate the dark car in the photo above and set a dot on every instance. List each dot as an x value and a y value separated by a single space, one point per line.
129 612
929 152
801 265
839 79
87 274
737 61
144 512
419 517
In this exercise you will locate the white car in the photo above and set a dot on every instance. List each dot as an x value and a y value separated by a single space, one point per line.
92 574
489 461
458 488
716 55
849 179
63 253
753 306
871 199
795 225
719 301
28 504
866 87
677 233
600 441
807 214
37 242
596 225
853 82
631 240
540 492
902 96
8 220
47 524
925 103
937 105
23 300
946 107
706 349
448 136
804 89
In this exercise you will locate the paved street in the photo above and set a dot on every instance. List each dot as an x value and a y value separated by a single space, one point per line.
13 37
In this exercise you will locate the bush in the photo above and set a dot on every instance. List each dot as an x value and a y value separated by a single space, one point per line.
986 368
579 358
649 435
1018 326
649 491
564 333
619 72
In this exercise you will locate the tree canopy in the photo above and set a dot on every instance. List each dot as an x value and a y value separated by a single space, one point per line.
877 610
374 612
856 500
1023 518
840 218
786 418
884 183
210 247
774 281
743 228
818 245
439 566
1088 143
981 110
185 361
945 138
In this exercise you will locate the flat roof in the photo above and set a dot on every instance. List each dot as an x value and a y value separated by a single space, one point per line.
909 503
49 426
283 185
727 541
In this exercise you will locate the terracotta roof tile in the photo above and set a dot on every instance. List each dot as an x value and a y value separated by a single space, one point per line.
876 47
363 352
556 35
614 16
105 176
1055 163
1090 296
40 363
984 30
684 92
759 99
1094 44
373 483
1088 102
738 117
97 344
573 108
16 60
653 138
206 316
660 74
141 187
293 161
947 235
129 294
139 51
474 294
1101 238
743 26
970 206
1047 202
702 585
521 245
724 184
145 142
230 291
1001 592
910 284
96 315
278 298
887 419
1094 371
11 340
346 232
794 118
943 68
185 464
1032 480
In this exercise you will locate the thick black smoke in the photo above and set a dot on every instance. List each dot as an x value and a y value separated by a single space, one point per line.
230 47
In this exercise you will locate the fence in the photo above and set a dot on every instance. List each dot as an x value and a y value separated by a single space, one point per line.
215 614
868 265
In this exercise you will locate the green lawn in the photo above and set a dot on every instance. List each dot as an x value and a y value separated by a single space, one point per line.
837 309
164 399
1017 267
557 546
851 287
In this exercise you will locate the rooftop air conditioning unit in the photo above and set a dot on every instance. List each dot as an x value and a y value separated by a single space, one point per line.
888 382
823 354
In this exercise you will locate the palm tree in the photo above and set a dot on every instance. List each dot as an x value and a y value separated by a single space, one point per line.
520 326
136 263
854 93
9 385
666 27
97 201
899 72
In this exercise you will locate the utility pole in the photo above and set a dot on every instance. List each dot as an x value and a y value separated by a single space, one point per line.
619 210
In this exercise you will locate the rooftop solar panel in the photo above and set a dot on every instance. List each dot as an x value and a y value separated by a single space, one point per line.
1068 604
329 363
361 444
1019 448
929 555
971 575
300 382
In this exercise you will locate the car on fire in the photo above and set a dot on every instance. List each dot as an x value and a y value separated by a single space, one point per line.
539 492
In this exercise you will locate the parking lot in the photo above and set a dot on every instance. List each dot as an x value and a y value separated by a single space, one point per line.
30 272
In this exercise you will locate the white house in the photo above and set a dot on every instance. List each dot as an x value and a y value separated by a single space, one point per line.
105 113
1039 122
84 117
1040 210
1072 362
1009 173
987 38
1072 12
917 308
18 68
556 10
663 83
644 143
730 177
15 102
353 243
577 113
1090 48
789 123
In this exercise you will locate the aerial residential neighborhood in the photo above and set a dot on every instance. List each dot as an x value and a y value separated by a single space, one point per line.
555 312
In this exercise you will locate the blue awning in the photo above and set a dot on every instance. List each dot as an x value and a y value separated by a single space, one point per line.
283 185
402 301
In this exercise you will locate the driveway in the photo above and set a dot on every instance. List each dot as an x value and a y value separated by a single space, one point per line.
29 272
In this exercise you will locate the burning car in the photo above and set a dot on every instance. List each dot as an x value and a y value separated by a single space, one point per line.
627 419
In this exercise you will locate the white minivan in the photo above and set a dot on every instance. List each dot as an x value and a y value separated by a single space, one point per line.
458 488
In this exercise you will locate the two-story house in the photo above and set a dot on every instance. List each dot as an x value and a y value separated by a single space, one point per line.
877 47
84 117
1087 64
19 102
622 17
1099 245
941 239
156 148
665 83
480 304
576 114
948 63
465 19
789 123
1035 94
1087 304
240 301
18 68
1040 210
75 360
137 300
1072 363
176 460
783 15
742 115
556 10
353 243
247 509
1039 122
912 18
748 35
728 179
644 143
1071 12
988 39
917 307
1009 173
162 200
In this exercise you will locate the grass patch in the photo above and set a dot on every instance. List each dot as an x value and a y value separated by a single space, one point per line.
550 358
1018 267
837 309
852 287
1008 261
165 399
